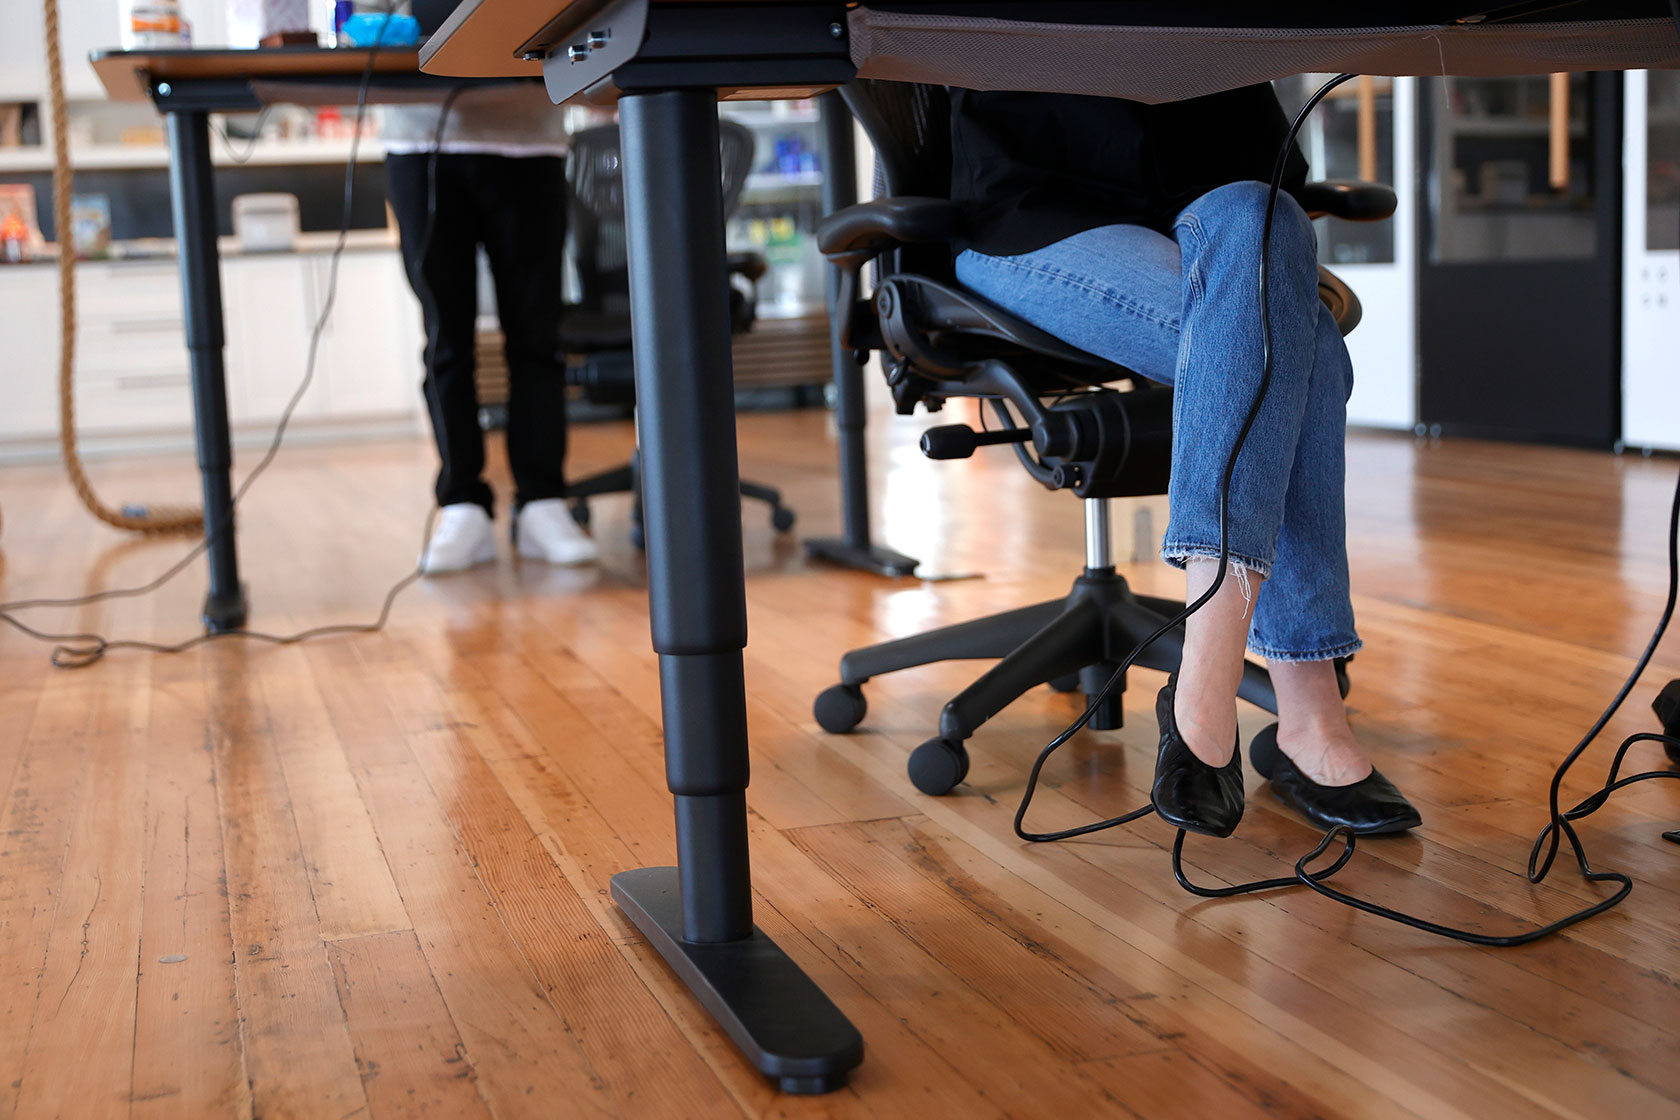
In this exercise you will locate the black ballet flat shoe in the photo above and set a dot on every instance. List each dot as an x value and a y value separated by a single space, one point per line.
1370 806
1188 792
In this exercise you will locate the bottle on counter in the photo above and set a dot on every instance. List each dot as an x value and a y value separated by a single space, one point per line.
152 23
14 240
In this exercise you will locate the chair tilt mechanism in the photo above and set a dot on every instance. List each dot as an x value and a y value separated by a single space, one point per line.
1055 405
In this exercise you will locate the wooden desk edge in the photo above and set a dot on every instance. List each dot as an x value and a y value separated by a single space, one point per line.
447 53
126 75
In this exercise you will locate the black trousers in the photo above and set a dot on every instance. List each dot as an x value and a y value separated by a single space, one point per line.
516 209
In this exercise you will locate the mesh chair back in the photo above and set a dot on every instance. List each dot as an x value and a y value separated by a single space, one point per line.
910 127
595 182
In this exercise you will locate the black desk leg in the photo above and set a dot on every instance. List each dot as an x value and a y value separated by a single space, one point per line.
192 192
699 913
853 548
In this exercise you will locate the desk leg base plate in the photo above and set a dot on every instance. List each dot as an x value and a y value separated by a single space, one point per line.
225 612
780 1019
869 558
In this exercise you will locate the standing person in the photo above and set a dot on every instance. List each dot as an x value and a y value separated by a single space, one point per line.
497 180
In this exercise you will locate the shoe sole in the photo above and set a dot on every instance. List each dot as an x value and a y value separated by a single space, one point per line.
478 561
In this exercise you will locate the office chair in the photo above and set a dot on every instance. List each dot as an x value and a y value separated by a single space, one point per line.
1076 431
595 331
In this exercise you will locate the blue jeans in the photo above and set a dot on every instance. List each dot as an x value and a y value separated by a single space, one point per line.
1185 310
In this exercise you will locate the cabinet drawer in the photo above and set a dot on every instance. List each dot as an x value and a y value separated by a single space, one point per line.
135 402
105 348
140 289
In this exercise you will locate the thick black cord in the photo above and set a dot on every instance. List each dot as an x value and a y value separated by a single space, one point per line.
79 650
1560 822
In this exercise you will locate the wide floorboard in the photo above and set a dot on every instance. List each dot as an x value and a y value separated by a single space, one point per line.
367 875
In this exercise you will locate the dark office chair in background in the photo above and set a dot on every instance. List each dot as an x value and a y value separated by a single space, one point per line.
1058 407
595 331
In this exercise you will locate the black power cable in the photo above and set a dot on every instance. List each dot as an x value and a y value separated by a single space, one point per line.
1559 825
79 650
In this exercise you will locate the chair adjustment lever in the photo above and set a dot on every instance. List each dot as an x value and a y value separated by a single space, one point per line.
959 441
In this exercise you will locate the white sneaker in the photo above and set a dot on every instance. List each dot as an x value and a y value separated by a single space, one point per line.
544 530
462 539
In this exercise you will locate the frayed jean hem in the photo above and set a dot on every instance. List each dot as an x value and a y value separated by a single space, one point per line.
1178 555
1346 649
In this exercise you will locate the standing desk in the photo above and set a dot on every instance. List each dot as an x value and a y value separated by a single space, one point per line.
187 85
667 63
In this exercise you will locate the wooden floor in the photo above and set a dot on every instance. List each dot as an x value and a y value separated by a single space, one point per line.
367 876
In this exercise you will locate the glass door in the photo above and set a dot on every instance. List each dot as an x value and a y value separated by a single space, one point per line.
1519 257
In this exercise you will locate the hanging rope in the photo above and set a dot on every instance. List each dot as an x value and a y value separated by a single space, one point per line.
154 519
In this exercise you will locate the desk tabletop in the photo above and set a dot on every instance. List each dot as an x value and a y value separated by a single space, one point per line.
127 74
1151 50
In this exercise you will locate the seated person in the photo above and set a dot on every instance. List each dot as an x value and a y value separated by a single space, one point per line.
1132 231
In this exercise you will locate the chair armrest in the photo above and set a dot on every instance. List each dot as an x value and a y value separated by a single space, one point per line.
874 227
853 237
1348 199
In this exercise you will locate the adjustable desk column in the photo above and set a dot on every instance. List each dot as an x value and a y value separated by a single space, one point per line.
192 198
699 913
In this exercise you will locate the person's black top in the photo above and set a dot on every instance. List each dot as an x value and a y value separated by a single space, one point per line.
1033 168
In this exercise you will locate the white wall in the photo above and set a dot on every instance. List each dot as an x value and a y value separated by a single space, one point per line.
84 25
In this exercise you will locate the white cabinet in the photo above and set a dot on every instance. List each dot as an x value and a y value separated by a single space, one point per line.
133 386
371 347
1650 265
1384 347
270 307
131 357
29 335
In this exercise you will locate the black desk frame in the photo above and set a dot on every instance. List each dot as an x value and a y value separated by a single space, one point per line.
853 548
667 84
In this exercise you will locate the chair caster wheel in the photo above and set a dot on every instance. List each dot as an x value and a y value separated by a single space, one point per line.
781 519
937 766
839 708
1069 683
1343 684
580 512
